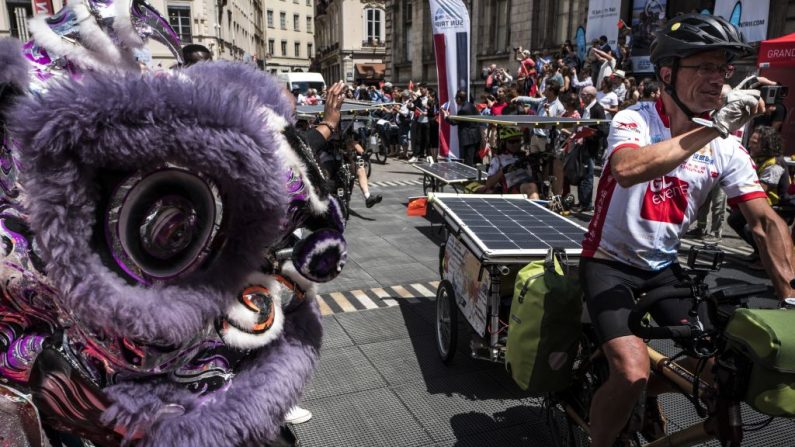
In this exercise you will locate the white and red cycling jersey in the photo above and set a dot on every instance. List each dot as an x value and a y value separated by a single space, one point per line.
641 225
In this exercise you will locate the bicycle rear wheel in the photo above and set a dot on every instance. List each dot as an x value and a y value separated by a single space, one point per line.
575 401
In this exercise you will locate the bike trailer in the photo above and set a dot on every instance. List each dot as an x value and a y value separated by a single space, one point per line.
544 326
767 338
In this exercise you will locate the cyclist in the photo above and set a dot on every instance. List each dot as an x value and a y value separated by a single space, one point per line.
353 152
660 167
508 172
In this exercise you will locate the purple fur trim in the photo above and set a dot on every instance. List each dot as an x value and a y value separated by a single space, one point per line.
15 66
131 122
248 412
265 87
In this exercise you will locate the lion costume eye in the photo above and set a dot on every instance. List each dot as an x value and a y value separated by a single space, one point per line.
161 224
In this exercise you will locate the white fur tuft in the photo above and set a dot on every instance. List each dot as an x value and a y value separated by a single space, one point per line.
122 23
278 124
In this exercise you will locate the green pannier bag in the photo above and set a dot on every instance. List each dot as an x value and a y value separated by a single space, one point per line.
767 337
544 325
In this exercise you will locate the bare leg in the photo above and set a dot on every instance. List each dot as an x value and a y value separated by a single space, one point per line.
557 171
361 174
613 402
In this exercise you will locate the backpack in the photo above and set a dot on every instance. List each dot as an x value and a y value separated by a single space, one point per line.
574 169
544 325
766 337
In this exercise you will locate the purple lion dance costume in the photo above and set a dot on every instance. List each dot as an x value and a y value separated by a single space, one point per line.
161 237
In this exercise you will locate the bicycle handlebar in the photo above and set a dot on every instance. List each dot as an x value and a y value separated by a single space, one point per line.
645 304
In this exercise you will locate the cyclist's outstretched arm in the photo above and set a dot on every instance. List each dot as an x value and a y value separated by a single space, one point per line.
631 165
775 244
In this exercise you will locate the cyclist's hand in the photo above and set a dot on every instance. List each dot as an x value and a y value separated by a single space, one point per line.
334 97
741 105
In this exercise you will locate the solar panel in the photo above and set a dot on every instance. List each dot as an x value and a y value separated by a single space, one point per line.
448 171
507 226
528 120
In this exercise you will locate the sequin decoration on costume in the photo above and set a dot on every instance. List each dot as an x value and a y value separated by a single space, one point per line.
296 211
8 169
16 361
150 24
210 369
116 359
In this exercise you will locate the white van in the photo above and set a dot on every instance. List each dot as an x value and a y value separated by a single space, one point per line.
302 81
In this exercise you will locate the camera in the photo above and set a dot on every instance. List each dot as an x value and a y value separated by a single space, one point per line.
772 94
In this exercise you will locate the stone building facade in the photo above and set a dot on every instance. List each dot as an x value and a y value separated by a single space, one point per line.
350 39
289 35
498 26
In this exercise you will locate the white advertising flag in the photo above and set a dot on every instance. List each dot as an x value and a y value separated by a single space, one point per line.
750 16
450 20
603 16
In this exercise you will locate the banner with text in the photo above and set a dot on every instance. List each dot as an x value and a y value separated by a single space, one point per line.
647 17
750 16
450 20
603 18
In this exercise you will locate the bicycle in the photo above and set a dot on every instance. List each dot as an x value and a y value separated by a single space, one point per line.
718 405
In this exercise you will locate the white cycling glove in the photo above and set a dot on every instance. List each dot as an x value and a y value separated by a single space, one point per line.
736 111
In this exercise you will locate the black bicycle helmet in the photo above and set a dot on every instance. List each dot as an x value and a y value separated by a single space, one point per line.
694 33
690 34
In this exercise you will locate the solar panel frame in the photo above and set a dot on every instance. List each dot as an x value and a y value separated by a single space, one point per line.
432 170
477 225
528 120
347 107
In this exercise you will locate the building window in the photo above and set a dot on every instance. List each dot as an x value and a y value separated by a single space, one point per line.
19 13
270 18
283 20
308 24
297 49
501 26
373 24
271 47
309 50
409 40
296 20
308 2
284 48
179 19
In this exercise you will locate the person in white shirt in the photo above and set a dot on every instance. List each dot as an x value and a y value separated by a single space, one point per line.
540 141
507 174
617 79
608 98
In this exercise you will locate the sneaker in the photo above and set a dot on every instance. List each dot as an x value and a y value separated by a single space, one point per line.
586 209
654 423
695 233
750 258
429 159
413 160
297 415
372 200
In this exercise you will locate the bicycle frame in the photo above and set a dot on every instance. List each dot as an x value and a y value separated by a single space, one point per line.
724 421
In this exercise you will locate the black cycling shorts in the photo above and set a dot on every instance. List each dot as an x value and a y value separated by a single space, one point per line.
611 289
